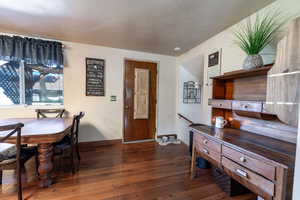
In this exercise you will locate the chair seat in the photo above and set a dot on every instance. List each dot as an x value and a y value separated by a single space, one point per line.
60 146
8 161
7 151
26 154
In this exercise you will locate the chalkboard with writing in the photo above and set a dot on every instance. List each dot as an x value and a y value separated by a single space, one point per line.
95 69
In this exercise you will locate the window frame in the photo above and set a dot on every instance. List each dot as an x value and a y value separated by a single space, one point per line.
23 96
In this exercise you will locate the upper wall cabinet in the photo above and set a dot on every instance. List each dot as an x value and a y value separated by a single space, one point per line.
265 100
271 90
283 82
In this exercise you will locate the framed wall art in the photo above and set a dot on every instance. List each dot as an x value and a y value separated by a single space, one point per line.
95 74
214 63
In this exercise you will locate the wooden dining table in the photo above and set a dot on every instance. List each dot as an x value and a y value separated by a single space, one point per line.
43 132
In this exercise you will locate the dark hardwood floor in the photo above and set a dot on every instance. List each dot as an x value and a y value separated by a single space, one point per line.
143 171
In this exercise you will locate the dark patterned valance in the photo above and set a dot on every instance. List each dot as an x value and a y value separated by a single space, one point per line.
32 51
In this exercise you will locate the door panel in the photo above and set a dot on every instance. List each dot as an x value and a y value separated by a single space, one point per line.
139 100
141 94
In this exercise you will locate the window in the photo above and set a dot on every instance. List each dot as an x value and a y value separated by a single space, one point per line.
23 84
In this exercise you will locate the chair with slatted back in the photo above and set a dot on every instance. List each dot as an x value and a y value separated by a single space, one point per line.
13 156
42 113
70 142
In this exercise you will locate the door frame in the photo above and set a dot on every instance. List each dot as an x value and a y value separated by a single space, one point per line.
157 97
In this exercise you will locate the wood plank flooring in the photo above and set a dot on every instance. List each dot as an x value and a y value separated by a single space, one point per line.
143 171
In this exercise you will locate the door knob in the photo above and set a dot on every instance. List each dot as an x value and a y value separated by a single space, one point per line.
126 107
242 159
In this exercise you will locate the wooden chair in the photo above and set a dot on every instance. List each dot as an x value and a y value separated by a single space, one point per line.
43 112
21 155
70 142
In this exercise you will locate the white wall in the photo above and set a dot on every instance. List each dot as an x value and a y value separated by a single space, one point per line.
232 59
190 70
104 119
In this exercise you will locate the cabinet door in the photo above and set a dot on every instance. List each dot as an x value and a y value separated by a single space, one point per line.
283 86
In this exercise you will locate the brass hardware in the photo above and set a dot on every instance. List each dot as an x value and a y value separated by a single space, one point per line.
241 173
242 159
205 151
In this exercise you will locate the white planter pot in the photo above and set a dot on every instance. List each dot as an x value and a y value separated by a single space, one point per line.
253 61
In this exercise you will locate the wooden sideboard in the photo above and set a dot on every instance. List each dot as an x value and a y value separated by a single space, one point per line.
257 147
262 164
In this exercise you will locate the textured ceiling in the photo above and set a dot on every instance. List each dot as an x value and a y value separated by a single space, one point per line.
155 26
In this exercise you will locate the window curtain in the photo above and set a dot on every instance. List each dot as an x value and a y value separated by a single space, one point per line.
32 51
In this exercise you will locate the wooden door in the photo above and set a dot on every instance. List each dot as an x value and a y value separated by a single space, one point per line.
139 100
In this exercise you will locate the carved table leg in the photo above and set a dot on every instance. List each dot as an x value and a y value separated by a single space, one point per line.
45 164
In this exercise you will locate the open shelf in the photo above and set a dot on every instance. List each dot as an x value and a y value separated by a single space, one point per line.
244 73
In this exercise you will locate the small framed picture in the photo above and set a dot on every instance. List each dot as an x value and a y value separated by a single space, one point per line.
214 64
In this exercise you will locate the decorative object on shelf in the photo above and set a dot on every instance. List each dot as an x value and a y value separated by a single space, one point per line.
192 92
220 122
253 61
95 69
253 37
214 64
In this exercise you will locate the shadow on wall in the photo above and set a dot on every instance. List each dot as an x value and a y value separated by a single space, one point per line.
89 132
195 67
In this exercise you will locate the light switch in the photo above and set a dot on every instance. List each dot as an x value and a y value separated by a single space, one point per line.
113 98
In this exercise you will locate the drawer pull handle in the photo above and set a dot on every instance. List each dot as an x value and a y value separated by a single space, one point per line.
246 106
205 151
243 159
205 141
241 173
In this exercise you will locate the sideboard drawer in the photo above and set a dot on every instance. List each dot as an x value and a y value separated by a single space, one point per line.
255 165
209 149
256 183
208 154
251 106
218 103
204 142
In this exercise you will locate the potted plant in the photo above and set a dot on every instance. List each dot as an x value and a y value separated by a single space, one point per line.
253 37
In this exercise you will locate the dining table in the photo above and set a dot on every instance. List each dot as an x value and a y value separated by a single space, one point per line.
43 132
